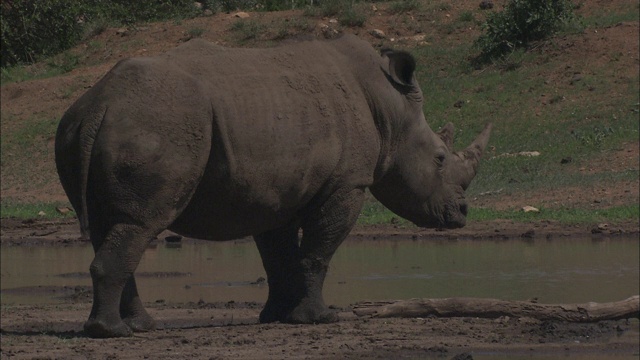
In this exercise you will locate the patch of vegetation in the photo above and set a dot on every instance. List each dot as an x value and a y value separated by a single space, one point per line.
403 6
32 139
347 11
12 209
195 32
625 13
332 7
288 27
247 29
33 30
563 215
595 137
444 6
520 23
466 16
374 213
516 98
53 66
352 17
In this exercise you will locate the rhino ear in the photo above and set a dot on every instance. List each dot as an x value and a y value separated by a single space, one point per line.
446 134
401 66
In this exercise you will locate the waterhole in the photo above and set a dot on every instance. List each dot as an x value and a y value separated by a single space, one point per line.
549 271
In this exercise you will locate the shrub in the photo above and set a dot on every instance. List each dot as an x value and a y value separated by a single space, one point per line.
35 29
247 29
520 23
352 17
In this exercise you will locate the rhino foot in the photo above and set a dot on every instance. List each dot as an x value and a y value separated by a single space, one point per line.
304 313
140 323
99 329
312 316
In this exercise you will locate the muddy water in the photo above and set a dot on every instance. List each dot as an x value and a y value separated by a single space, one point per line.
566 270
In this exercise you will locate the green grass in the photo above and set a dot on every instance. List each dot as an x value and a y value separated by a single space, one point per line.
352 17
580 123
11 209
247 29
565 216
611 18
26 153
195 32
403 6
54 66
374 213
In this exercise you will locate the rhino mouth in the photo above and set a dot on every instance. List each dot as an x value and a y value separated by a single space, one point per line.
452 216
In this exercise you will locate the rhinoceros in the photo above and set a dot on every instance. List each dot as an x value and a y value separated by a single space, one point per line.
280 144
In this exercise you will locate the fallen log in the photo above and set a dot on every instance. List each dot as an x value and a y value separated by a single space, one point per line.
494 308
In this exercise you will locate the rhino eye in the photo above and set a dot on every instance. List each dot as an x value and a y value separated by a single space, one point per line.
440 158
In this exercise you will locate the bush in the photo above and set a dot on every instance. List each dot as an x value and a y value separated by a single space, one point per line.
352 17
35 29
520 23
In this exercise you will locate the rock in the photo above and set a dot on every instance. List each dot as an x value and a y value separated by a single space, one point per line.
421 37
197 5
528 208
63 210
42 213
122 32
377 33
328 32
576 78
486 5
241 15
521 153
529 234
333 21
374 8
207 12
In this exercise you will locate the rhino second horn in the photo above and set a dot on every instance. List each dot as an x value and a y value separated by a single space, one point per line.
472 154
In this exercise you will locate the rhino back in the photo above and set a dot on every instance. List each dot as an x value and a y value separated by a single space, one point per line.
290 126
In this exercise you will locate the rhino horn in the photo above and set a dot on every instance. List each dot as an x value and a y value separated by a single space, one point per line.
471 157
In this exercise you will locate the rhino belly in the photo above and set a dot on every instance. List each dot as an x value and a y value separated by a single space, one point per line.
224 212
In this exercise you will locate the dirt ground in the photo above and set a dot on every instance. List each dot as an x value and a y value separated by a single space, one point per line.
231 330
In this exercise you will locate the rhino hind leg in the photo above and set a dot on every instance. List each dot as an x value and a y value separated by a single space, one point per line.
117 256
132 312
296 268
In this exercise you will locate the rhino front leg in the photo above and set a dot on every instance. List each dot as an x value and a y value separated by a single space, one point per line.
296 272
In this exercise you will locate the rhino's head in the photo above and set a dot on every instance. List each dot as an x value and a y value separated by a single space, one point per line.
423 178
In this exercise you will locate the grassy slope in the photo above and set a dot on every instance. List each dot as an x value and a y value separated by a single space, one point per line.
581 121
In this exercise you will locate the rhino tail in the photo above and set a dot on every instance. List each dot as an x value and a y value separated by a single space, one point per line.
88 134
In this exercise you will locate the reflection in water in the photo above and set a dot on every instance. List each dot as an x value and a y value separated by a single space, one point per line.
556 271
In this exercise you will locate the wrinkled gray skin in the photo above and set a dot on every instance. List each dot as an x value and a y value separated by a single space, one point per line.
218 144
